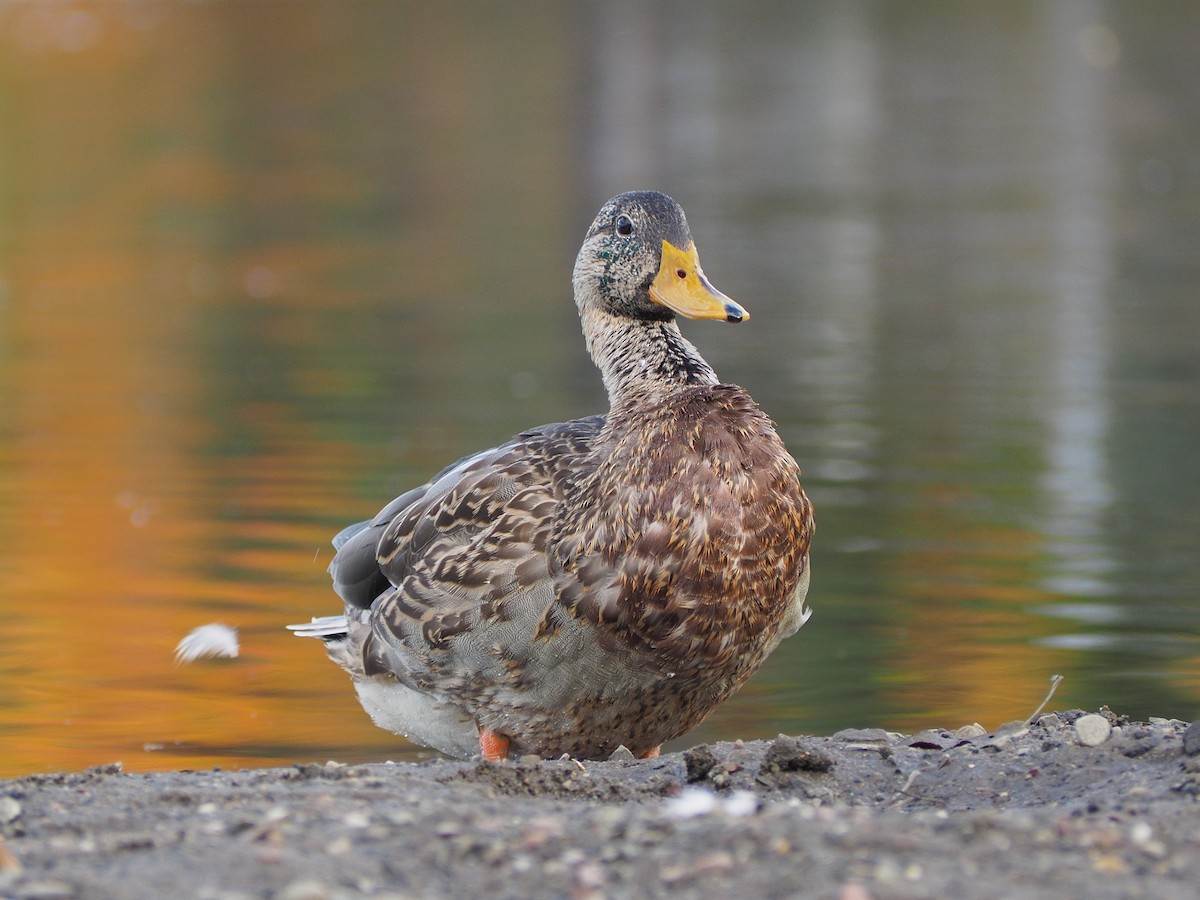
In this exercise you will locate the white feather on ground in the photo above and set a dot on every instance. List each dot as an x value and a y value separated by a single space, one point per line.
213 639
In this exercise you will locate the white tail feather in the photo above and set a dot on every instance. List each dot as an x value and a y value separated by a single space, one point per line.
320 627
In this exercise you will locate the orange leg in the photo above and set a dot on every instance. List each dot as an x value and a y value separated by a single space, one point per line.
652 753
493 745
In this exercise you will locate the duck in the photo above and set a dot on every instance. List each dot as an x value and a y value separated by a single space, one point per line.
597 583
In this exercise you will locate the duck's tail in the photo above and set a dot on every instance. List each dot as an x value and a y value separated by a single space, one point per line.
327 628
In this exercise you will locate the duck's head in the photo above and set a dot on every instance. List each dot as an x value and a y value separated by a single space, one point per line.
638 261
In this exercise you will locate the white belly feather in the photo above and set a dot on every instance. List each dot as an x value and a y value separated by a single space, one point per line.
419 717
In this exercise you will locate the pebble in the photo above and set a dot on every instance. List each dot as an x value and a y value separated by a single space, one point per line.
966 732
590 875
854 890
1001 741
10 809
10 866
862 736
932 739
1092 730
1141 832
1191 739
790 755
305 890
47 890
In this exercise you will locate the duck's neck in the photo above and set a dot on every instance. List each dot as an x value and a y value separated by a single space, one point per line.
642 361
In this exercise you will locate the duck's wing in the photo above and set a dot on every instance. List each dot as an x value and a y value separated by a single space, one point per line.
442 555
355 570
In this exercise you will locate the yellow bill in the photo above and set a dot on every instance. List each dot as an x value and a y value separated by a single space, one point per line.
681 286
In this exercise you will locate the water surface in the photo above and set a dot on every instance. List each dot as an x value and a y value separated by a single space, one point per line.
264 265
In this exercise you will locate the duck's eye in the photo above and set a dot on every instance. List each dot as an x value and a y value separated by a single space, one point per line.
624 226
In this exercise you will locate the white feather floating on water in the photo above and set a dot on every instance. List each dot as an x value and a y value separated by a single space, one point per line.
213 639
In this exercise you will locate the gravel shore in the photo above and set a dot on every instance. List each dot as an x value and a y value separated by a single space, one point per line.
1071 805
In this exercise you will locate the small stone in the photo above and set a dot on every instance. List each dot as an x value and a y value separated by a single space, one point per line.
590 875
1138 745
887 871
522 863
1050 720
571 857
400 817
305 890
967 732
786 754
1141 834
47 890
212 827
1154 849
622 754
10 866
876 736
1000 742
702 764
932 739
10 809
1092 730
1191 739
1110 864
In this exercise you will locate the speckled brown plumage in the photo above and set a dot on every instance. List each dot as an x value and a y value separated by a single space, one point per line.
599 582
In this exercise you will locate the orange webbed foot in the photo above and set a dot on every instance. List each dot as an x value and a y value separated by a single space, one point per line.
493 745
652 753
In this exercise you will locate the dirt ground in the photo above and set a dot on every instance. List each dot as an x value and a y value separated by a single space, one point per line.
1028 811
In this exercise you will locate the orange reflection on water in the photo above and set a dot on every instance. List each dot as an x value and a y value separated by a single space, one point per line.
115 545
965 588
114 551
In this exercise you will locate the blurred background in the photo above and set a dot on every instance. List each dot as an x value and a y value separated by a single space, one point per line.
263 265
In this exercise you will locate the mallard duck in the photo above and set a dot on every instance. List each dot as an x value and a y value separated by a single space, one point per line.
601 582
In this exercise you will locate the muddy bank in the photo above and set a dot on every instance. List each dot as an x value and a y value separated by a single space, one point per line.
1027 811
